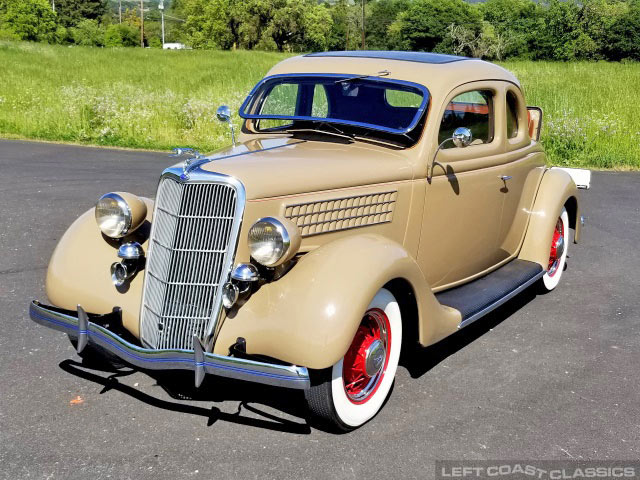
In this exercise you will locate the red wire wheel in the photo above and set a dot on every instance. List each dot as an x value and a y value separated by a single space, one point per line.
366 360
557 248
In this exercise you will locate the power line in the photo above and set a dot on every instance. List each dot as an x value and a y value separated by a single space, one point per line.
174 18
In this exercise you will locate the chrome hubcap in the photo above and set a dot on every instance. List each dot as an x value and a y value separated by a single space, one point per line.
374 358
560 246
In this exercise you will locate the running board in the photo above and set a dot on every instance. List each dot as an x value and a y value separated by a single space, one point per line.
475 299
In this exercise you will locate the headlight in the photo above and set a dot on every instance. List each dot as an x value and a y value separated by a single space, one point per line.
119 214
273 241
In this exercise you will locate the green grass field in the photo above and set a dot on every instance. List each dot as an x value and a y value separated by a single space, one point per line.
158 99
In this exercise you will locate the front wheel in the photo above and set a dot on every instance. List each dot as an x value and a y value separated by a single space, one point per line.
558 253
351 392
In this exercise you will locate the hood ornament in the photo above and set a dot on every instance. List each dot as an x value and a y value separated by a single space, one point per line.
192 160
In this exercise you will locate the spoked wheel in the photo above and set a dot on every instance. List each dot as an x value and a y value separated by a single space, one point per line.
351 392
558 252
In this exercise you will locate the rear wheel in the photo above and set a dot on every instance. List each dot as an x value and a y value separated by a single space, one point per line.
351 392
558 253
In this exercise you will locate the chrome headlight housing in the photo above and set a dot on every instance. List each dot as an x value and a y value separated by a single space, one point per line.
118 214
272 241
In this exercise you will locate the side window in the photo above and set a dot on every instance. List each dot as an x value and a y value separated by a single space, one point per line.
512 115
473 110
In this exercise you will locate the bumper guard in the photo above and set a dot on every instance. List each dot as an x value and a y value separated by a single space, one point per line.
79 325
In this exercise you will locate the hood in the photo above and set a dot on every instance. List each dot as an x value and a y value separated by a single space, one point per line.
281 166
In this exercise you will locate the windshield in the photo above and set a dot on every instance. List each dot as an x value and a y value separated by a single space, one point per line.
390 106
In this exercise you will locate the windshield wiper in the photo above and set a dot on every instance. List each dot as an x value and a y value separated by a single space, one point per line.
318 130
382 73
337 132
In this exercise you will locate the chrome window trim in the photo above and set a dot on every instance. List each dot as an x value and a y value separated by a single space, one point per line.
198 175
424 104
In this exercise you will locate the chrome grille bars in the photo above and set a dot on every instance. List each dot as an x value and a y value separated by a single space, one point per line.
191 250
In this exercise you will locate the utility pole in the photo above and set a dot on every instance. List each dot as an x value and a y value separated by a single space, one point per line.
362 24
161 8
142 23
120 10
53 5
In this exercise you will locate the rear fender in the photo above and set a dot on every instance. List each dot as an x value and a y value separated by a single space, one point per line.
309 317
557 190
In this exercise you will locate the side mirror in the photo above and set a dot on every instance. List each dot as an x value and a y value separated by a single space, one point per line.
224 115
462 137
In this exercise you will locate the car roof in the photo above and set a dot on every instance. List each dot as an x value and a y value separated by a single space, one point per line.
420 57
439 73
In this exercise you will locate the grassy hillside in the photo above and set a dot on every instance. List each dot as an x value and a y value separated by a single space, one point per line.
590 114
124 97
158 99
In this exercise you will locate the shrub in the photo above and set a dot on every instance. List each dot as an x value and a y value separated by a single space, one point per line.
29 20
121 35
155 42
88 33
424 25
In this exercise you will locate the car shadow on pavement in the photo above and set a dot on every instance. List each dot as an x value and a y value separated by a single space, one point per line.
422 359
289 402
254 397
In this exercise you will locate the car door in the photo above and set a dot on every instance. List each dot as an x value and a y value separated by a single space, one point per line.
463 205
522 170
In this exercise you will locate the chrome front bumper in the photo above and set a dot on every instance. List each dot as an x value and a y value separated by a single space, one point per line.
78 325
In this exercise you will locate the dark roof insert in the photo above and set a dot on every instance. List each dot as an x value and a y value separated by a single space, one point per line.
420 57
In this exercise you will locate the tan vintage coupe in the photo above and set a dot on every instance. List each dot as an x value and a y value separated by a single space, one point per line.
373 200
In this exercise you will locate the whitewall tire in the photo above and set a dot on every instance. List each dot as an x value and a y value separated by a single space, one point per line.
558 253
352 392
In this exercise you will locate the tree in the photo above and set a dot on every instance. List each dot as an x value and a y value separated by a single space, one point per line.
339 28
423 26
382 13
317 27
209 23
287 24
556 30
597 19
622 39
122 35
88 33
32 20
514 20
486 44
72 12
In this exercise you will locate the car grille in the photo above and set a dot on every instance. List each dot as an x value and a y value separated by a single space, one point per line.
191 248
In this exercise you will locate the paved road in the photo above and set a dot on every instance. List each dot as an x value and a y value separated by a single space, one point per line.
544 377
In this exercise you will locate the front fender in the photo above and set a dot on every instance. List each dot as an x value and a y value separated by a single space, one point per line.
556 190
79 270
309 316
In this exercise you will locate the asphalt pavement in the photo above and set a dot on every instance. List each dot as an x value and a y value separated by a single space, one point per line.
551 376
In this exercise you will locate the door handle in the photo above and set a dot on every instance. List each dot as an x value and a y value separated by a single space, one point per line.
504 178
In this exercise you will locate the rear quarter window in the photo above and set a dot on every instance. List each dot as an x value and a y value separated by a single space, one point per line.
512 115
